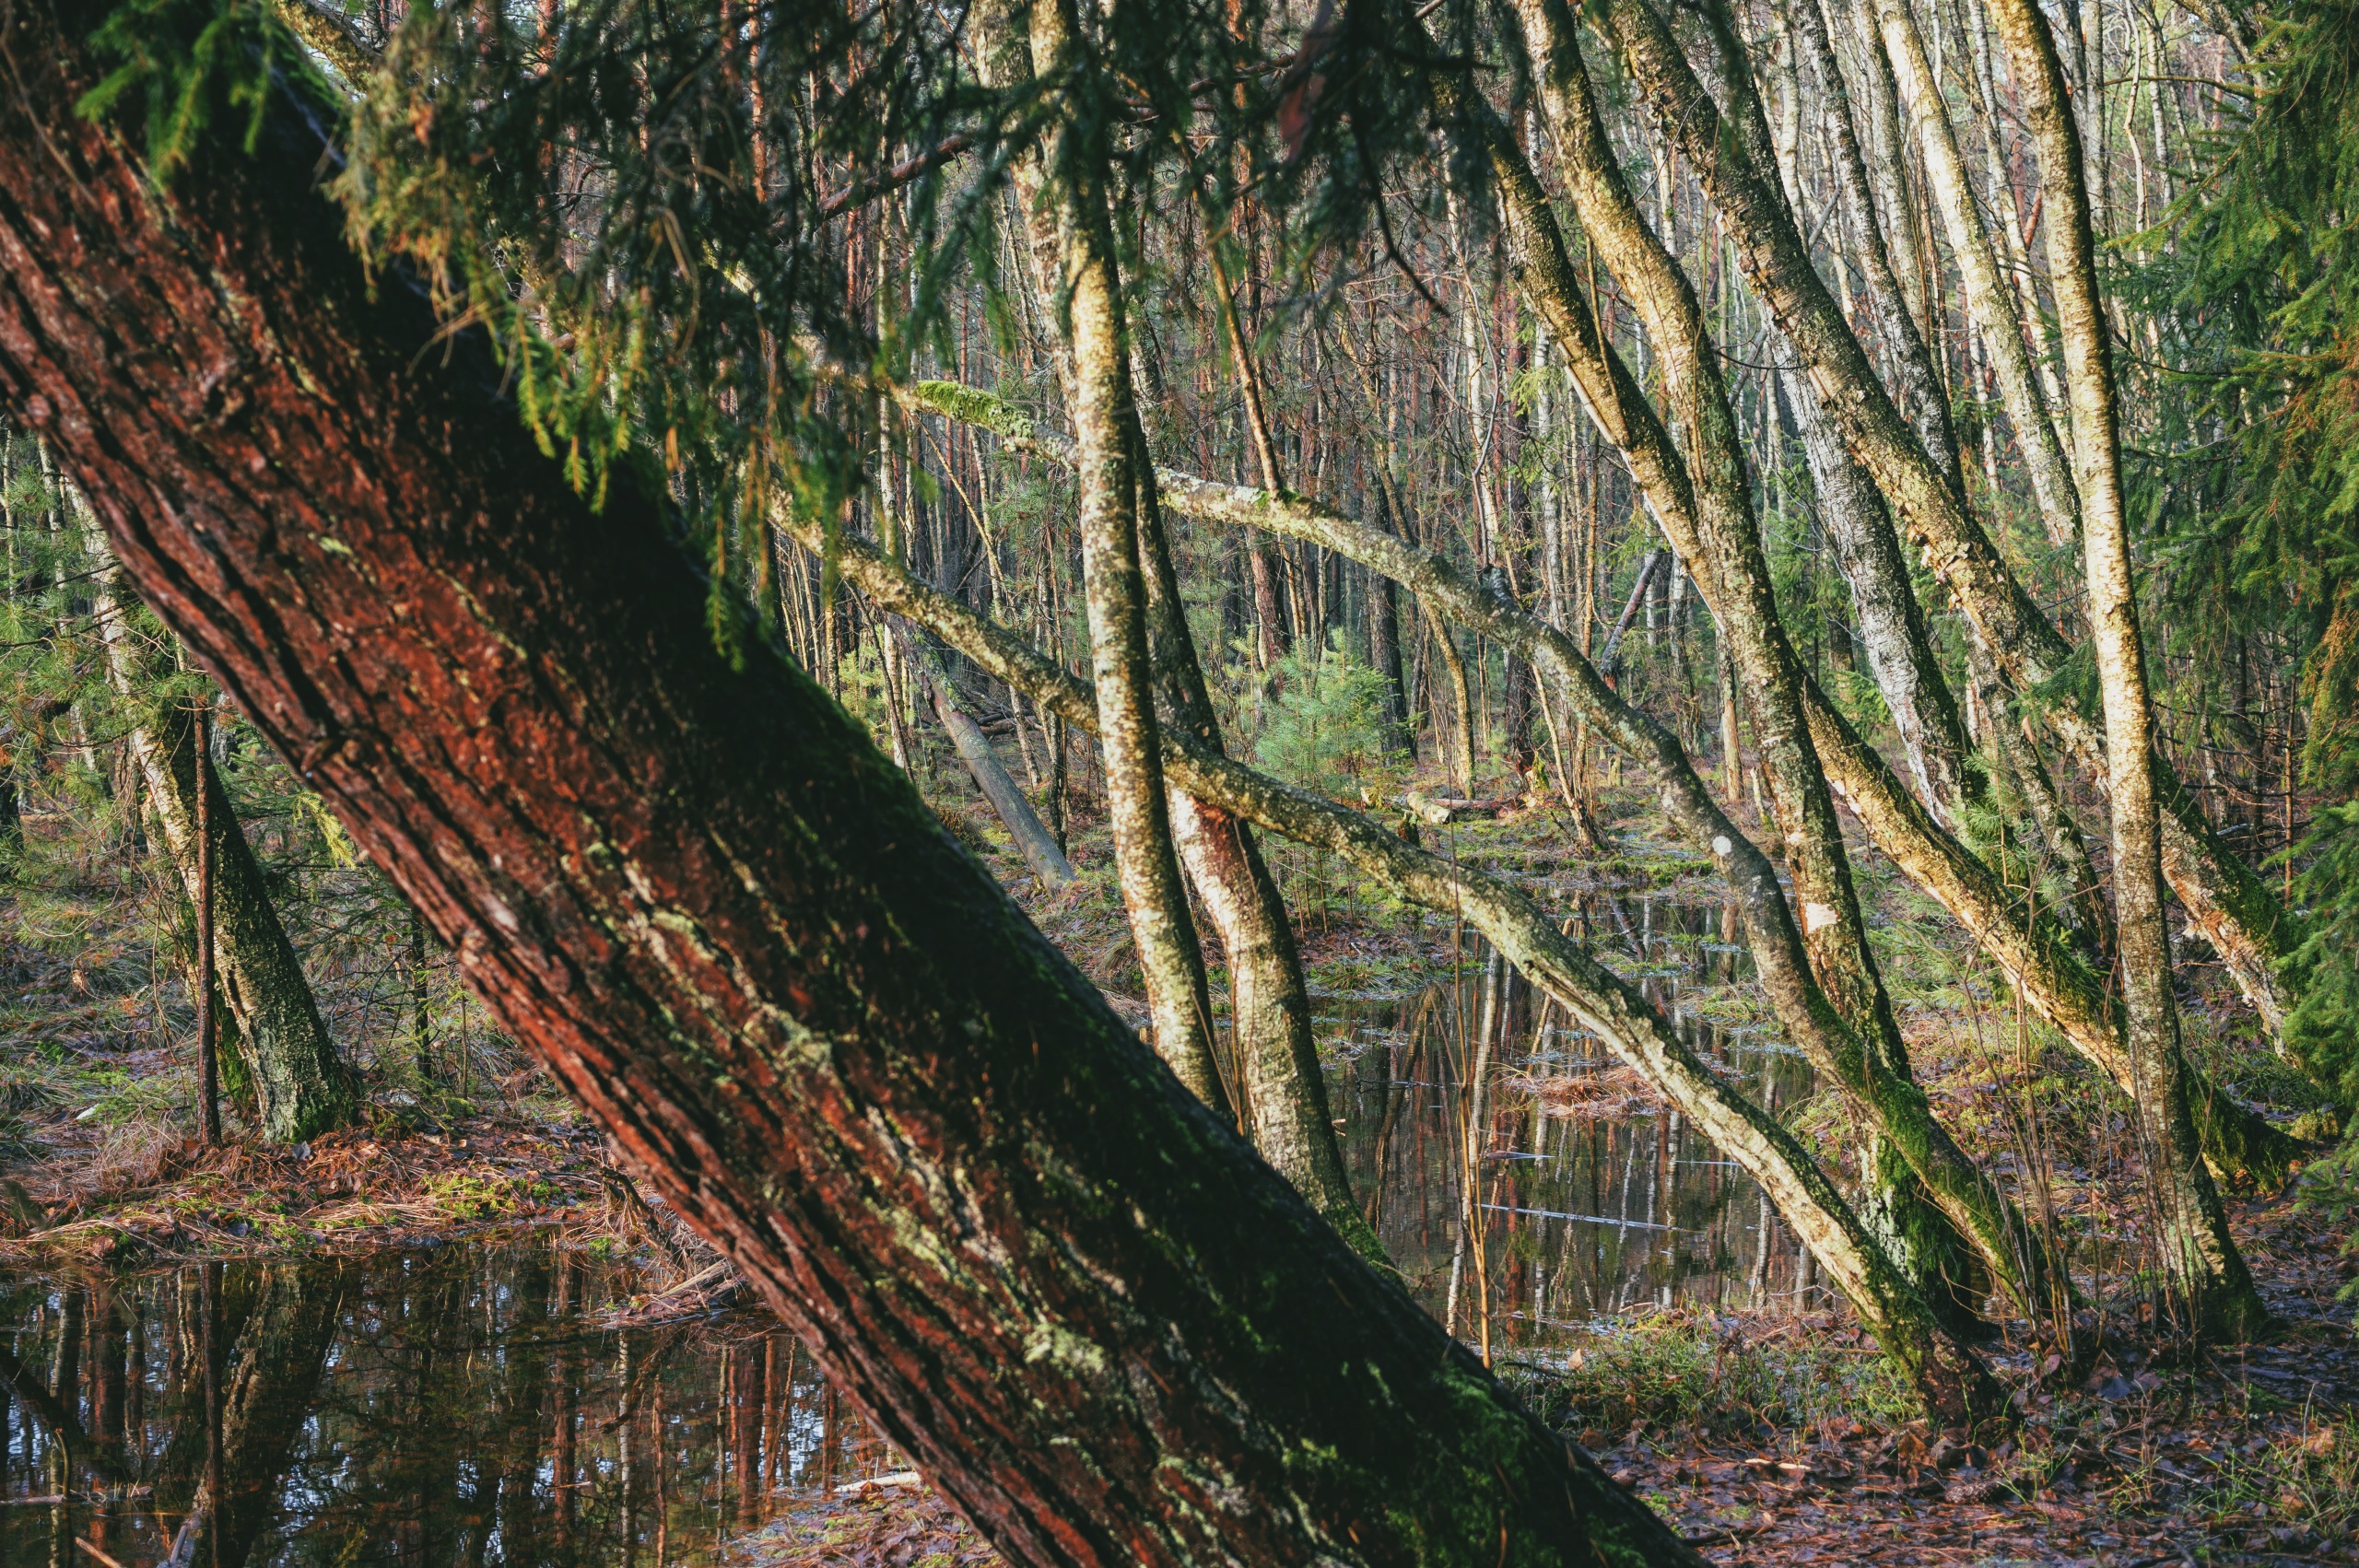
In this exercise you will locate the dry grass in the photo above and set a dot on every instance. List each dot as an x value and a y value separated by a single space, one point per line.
1611 1093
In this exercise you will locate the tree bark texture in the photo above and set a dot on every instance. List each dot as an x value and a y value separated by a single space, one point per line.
1282 1087
1458 747
2191 1228
1384 640
301 1087
1043 1269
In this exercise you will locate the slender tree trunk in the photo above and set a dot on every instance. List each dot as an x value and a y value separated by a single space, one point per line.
1384 647
1096 356
991 776
2191 1227
1458 757
301 1087
1278 1058
1046 1273
1900 654
1921 391
1280 1080
421 1016
1282 1088
1887 154
1988 298
204 896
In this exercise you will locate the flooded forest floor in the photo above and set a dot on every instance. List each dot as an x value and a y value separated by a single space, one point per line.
1631 1284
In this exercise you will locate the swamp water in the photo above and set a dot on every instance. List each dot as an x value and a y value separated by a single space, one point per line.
1590 1198
477 1403
465 1404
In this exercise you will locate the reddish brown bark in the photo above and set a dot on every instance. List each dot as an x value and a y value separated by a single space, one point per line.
727 924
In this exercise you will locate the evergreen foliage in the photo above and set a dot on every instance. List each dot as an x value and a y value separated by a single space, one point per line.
1320 720
2265 264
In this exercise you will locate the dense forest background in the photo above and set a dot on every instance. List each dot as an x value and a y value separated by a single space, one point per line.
1300 490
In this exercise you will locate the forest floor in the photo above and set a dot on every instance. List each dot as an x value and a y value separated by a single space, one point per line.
2245 1454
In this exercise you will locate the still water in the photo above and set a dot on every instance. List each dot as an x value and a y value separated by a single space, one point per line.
1587 1201
478 1403
461 1405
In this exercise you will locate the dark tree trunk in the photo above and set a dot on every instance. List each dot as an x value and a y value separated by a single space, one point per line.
1267 615
12 806
1384 654
729 926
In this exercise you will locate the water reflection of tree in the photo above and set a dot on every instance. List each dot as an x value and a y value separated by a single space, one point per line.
1682 1227
462 1405
267 1396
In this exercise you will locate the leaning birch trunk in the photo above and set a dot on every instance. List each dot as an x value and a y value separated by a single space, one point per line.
301 1087
1096 349
1726 555
1282 1088
991 776
1949 1376
2197 1253
1988 296
1887 151
1921 391
1458 747
2255 934
1279 1079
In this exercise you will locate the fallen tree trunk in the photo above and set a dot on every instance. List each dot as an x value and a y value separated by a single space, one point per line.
1440 811
991 776
728 925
